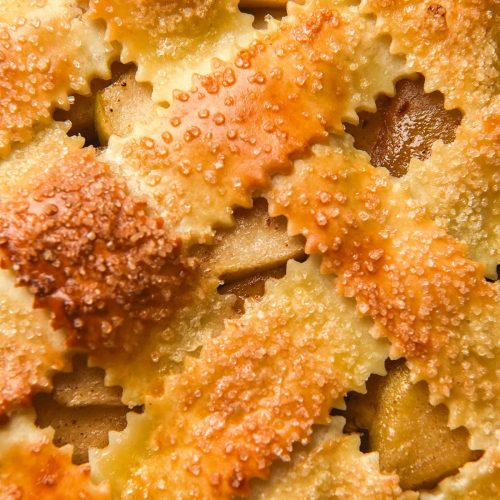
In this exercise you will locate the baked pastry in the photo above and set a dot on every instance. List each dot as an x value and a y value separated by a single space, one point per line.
234 341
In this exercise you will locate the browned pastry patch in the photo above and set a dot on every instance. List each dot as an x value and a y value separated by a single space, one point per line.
453 43
46 52
41 83
18 373
32 468
404 126
91 254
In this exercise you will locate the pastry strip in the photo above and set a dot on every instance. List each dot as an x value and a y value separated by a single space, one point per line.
239 124
45 54
331 466
169 41
452 43
406 273
255 390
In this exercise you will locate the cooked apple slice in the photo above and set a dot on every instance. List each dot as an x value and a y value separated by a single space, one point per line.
84 386
405 126
121 105
257 243
411 435
82 427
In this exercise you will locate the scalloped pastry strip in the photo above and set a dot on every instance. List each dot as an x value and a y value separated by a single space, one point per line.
171 41
31 467
46 51
48 145
475 480
239 124
408 274
30 350
197 318
453 43
330 467
256 389
460 185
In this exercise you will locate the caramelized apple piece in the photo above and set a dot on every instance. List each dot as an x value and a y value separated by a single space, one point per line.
261 13
121 105
404 126
83 427
256 243
82 112
411 435
84 386
81 409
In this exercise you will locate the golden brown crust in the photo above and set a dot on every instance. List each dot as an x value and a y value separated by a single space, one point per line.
29 349
256 389
30 102
106 269
459 185
198 316
332 466
452 42
169 41
91 254
41 60
32 468
239 124
153 18
413 279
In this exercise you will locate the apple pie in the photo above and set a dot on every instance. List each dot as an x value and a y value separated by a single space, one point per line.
249 249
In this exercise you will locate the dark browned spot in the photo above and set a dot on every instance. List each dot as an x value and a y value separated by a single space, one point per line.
91 254
437 16
405 126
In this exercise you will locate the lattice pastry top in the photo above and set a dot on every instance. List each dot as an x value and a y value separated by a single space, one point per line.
118 251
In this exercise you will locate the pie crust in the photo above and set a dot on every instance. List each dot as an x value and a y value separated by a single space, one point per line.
116 251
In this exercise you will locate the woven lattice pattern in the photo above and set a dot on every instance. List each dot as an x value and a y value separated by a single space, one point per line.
120 251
